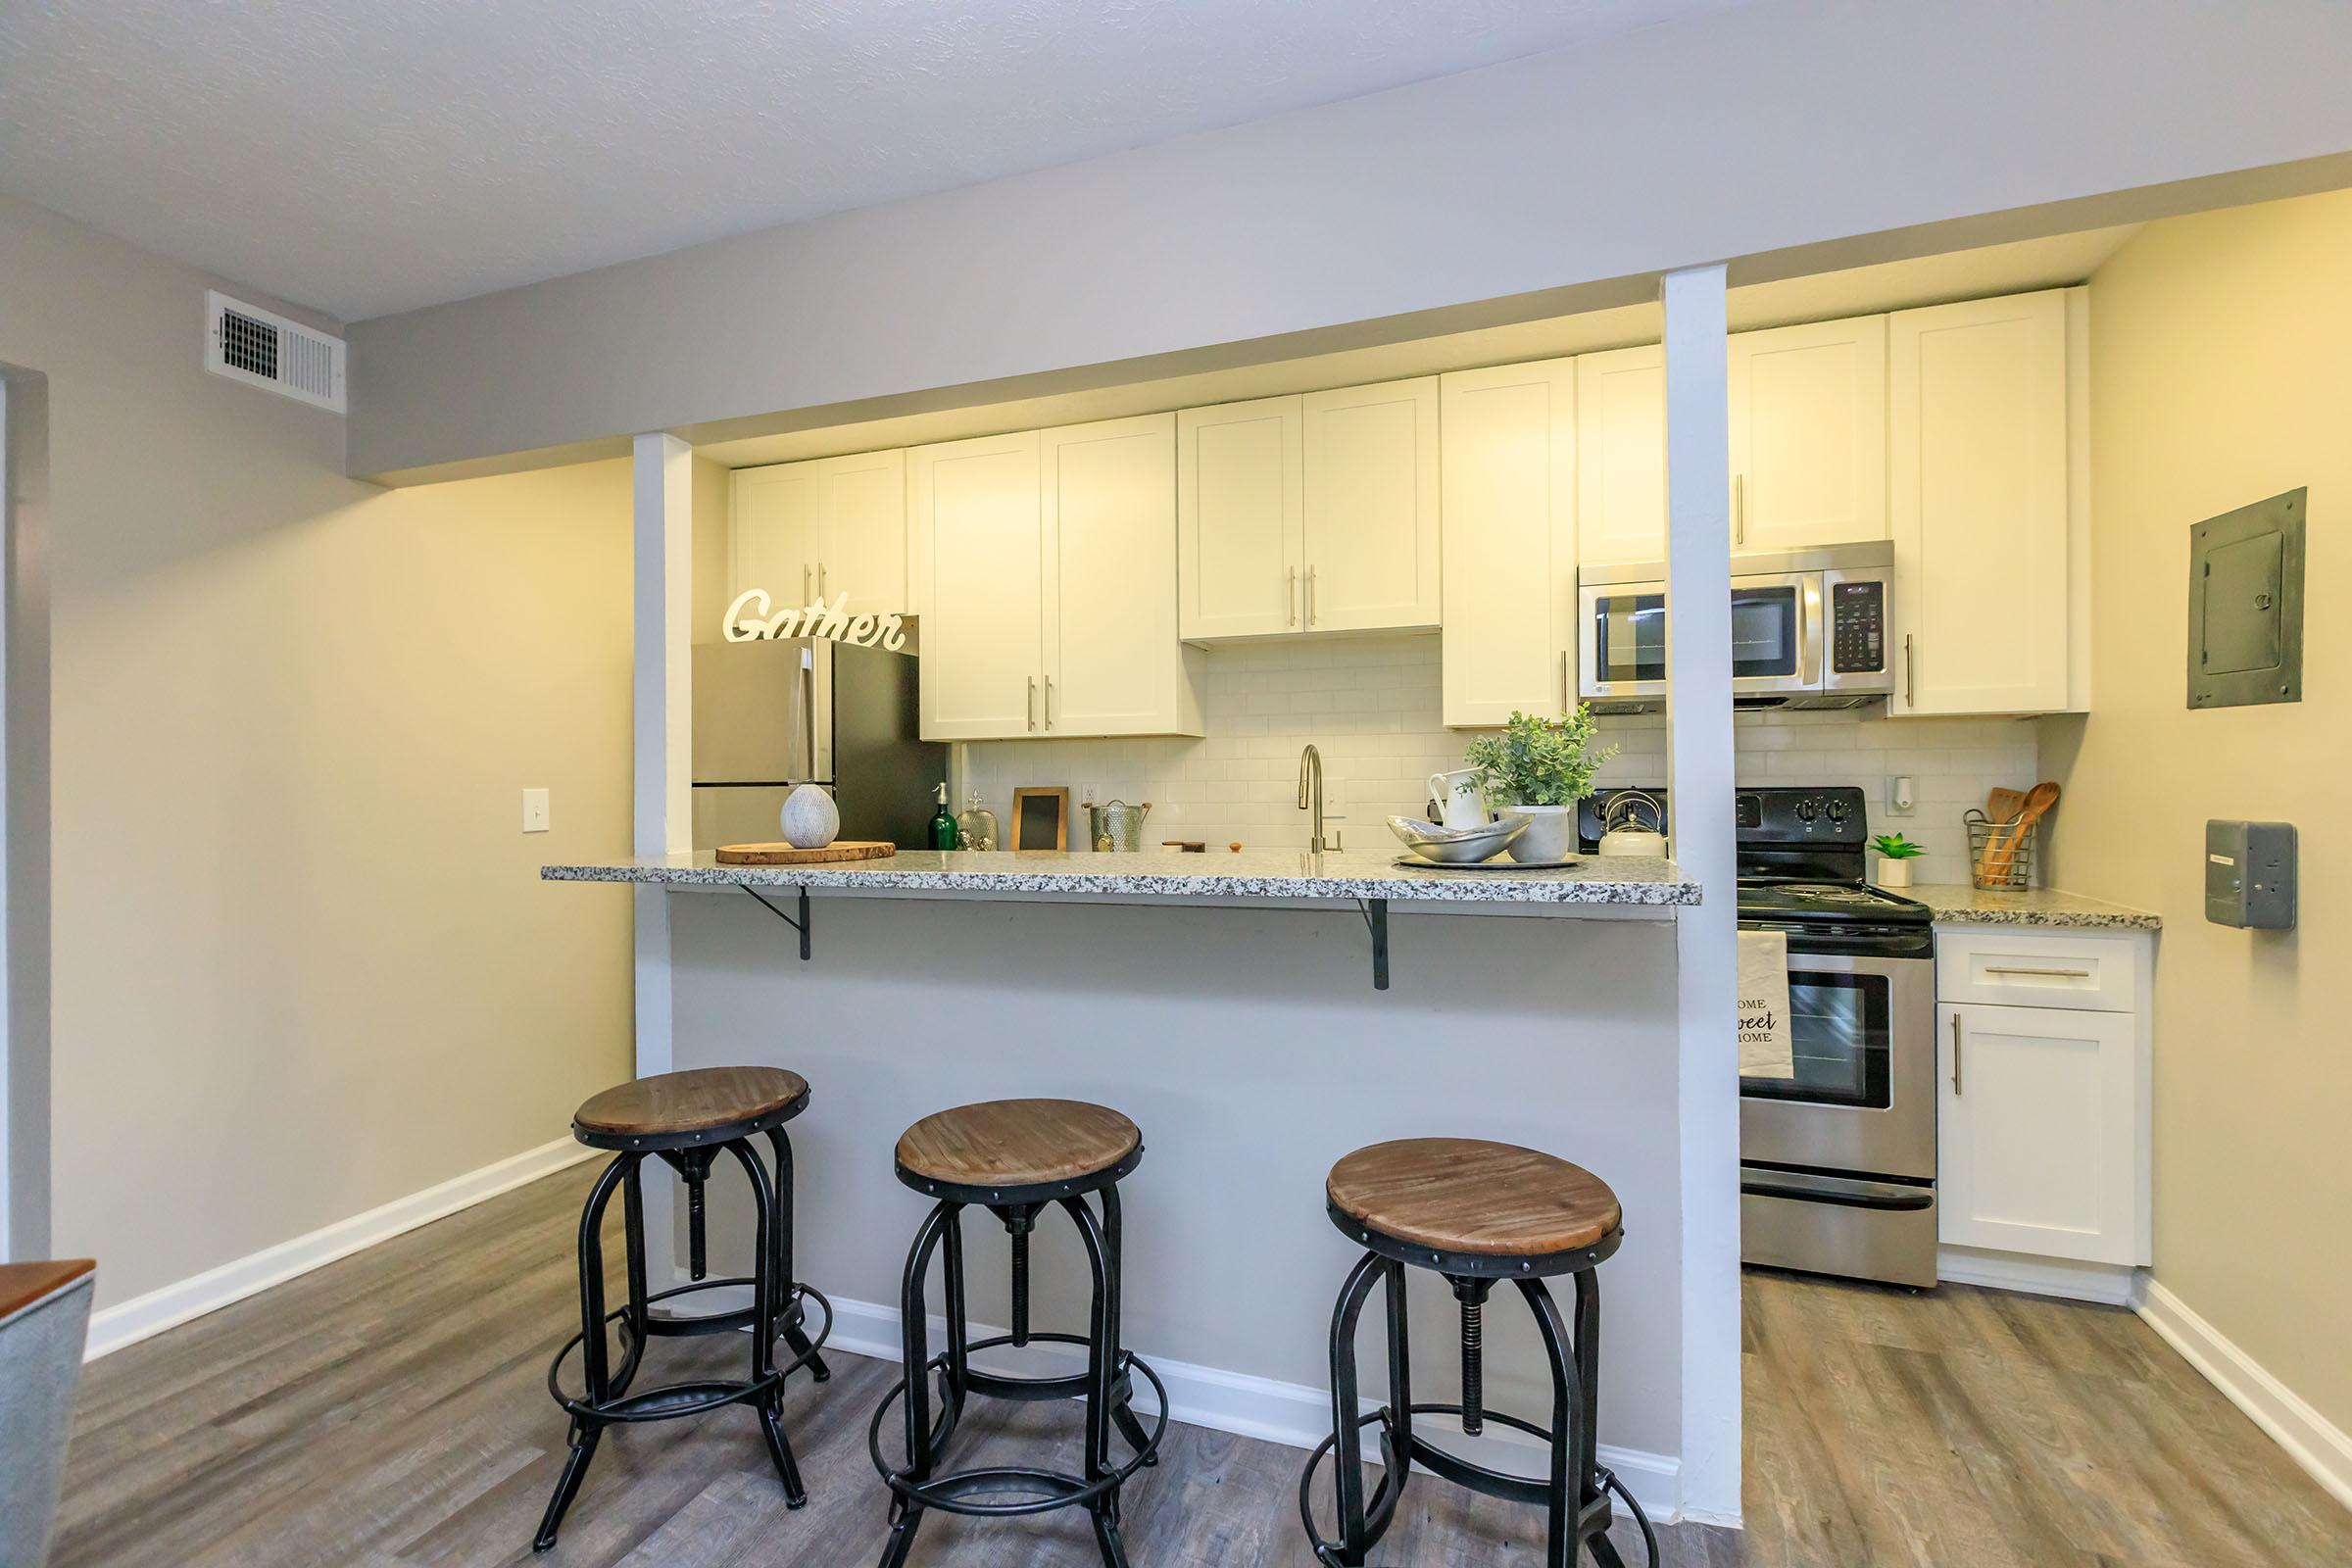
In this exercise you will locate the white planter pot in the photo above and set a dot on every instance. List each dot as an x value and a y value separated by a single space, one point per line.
810 818
1895 874
1549 835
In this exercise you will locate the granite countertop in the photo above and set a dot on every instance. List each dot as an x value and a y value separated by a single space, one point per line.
1959 903
1154 875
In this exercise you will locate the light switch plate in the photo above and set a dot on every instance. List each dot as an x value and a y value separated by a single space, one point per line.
534 810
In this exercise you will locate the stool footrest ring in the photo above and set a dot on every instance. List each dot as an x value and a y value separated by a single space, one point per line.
689 1398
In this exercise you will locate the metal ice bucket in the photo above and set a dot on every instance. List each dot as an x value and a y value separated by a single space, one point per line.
1116 828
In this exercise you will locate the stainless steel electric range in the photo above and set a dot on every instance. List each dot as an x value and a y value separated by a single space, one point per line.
1837 1163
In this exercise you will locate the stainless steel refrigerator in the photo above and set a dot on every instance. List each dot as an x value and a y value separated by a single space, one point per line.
772 714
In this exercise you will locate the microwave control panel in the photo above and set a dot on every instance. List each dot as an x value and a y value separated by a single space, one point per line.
1858 627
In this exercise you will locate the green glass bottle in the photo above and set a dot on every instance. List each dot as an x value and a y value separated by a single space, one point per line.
944 835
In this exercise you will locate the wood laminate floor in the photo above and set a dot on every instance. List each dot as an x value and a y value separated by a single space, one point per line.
390 1411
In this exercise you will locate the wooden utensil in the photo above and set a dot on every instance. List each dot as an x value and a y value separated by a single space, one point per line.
2039 801
787 855
2002 807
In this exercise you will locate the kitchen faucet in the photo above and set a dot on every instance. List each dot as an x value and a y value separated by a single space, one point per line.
1310 798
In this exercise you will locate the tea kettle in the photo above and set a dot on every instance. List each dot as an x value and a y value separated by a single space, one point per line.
1621 834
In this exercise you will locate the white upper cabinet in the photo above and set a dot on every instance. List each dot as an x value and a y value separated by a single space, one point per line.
1239 517
1509 458
1114 663
977 541
1621 445
1371 508
1977 470
1809 435
1045 570
821 529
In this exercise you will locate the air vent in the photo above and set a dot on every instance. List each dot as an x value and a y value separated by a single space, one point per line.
247 343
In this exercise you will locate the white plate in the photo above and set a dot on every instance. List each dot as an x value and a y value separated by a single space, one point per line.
1415 864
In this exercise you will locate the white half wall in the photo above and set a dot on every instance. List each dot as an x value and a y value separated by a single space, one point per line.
1762 129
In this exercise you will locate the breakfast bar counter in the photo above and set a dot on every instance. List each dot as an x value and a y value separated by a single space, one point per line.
1623 883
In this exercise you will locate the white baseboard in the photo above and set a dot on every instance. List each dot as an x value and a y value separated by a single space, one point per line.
1251 1406
2108 1284
2310 1439
128 1322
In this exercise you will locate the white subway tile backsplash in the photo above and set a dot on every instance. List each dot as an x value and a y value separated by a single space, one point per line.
1372 706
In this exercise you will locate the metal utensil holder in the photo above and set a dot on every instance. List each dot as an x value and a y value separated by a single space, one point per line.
2000 855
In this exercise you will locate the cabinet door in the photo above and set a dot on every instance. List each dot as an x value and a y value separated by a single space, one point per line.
1976 454
1508 461
1621 453
1371 507
861 551
1114 665
1809 435
772 533
979 572
2037 1131
1240 512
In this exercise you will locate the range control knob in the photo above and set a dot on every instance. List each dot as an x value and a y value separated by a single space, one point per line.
1836 809
1807 808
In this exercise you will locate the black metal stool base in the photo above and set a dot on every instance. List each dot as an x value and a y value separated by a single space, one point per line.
1107 1388
779 1310
1576 1491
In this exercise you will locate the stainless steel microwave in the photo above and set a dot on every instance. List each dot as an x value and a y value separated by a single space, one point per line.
1810 628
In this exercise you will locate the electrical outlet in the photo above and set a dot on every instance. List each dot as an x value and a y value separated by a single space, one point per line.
534 810
1335 797
1090 794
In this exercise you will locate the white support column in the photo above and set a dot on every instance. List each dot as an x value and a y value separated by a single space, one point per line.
662 591
1698 766
24 1035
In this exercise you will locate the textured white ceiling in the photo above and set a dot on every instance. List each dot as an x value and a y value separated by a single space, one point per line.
368 156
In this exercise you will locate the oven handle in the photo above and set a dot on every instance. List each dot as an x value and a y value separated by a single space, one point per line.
1845 1190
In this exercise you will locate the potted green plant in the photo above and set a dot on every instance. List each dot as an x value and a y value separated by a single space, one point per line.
1896 854
1535 770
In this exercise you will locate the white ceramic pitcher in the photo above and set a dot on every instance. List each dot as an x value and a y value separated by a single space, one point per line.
1457 798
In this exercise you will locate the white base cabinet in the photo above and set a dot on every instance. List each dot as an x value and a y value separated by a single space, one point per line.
2043 1112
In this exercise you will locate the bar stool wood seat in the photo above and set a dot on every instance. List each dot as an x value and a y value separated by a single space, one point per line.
687 1120
1015 1158
1468 1196
1476 1213
703 1105
1012 1145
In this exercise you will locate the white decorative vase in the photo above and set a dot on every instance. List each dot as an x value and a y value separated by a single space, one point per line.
810 818
1550 834
1895 874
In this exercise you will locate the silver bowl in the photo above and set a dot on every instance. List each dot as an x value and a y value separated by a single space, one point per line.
1454 846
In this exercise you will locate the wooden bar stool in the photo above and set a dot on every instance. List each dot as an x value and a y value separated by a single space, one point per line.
1475 1212
1015 1158
686 1120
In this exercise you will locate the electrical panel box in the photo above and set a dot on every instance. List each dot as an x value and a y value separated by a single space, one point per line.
2245 604
2250 874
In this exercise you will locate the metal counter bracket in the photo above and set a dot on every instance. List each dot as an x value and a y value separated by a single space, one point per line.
802 924
1376 922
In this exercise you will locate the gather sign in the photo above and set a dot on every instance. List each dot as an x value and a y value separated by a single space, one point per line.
750 617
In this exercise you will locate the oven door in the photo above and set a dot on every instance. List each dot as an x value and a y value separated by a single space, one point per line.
1863 1098
1775 634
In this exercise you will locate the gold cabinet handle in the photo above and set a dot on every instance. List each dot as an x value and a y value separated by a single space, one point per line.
805 595
1956 1038
1740 509
1909 690
1049 702
820 579
1310 596
1033 702
2053 974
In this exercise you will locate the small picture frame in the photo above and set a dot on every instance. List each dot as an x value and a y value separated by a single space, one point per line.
1041 818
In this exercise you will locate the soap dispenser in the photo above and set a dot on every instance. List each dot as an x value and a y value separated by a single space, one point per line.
944 835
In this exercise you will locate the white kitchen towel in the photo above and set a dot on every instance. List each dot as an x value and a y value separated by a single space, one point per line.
1765 1050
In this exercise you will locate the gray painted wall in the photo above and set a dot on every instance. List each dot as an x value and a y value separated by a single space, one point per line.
1252 1051
1784 124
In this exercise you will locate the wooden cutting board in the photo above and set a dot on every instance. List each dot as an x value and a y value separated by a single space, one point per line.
786 854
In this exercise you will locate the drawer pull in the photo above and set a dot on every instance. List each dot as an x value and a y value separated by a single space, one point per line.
2054 974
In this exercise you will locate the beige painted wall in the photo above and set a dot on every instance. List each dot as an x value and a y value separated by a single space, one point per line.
2219 347
304 965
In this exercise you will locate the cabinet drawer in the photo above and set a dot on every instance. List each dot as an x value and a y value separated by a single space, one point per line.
2037 970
